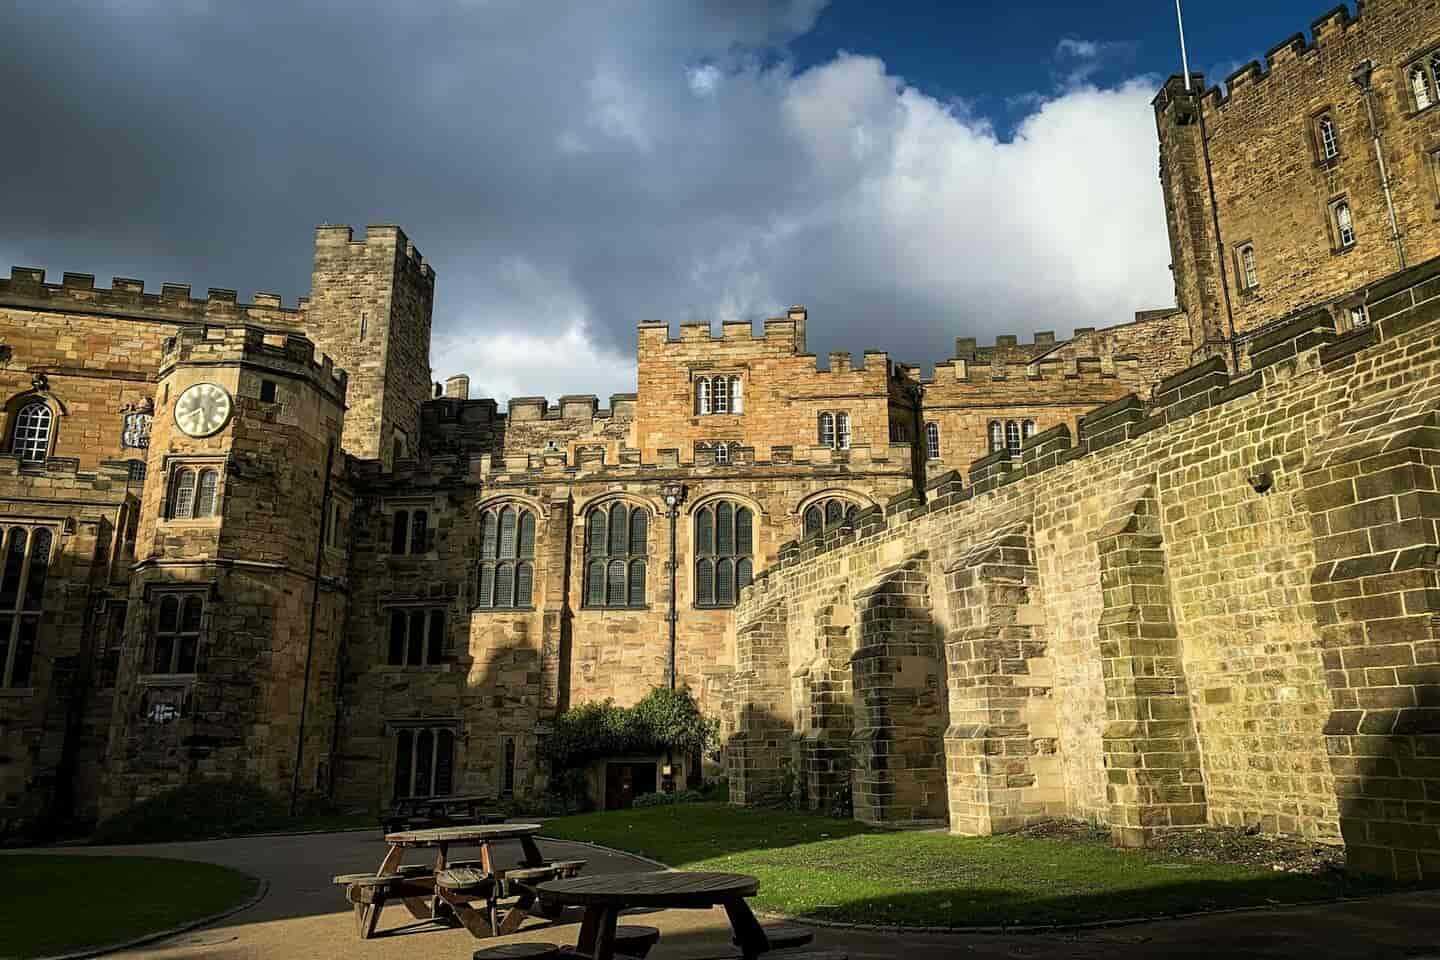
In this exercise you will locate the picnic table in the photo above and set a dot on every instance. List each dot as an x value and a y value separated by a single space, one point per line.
412 813
604 896
451 887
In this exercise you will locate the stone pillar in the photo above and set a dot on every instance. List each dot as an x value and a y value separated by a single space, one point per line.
555 623
759 750
830 716
1002 767
1372 496
1152 754
899 751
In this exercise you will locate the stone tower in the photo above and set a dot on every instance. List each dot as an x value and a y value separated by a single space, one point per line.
1184 178
369 309
232 603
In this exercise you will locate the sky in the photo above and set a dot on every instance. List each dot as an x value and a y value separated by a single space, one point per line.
910 172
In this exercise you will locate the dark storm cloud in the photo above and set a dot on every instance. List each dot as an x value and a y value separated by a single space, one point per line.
569 169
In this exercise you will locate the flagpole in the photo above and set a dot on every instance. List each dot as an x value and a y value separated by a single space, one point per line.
1184 58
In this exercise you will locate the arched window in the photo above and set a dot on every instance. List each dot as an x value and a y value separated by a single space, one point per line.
505 578
842 431
827 430
1344 224
205 496
1329 140
1249 275
702 396
724 535
26 562
182 494
30 439
616 544
932 440
1012 436
1420 89
828 514
997 436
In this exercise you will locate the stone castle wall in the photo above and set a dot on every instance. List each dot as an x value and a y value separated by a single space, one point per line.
1273 185
1216 608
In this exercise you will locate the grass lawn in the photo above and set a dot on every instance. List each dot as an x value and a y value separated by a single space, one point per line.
841 870
56 904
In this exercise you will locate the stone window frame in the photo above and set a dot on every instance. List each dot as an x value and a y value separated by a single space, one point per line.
610 592
724 565
41 429
184 596
833 429
718 394
433 638
932 440
1424 66
1338 243
499 558
181 503
440 778
1327 149
19 572
1247 274
1013 433
405 520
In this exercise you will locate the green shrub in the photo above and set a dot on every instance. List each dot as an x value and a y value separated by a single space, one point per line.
665 720
195 812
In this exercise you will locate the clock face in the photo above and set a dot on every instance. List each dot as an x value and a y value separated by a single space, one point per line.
202 409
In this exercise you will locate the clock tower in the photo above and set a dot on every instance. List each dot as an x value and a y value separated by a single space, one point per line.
238 595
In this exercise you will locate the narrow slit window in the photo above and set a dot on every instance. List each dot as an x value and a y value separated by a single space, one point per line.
932 441
1329 140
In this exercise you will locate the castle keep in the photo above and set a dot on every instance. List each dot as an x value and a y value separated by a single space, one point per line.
1176 571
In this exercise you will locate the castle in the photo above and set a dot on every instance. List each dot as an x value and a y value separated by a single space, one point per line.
1180 570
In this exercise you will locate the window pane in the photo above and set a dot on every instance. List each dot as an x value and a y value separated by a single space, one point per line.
997 438
185 659
396 656
524 583
615 584
169 615
398 531
705 532
1012 435
842 431
24 651
164 648
827 430
39 567
489 535
834 513
702 395
436 651
932 441
595 536
724 528
639 532
724 583
743 545
743 573
5 624
424 755
737 396
507 532
444 762
205 498
637 583
486 592
1028 429
403 743
619 528
720 395
419 531
14 566
415 649
527 534
505 585
595 584
190 615
31 437
704 582
814 521
182 500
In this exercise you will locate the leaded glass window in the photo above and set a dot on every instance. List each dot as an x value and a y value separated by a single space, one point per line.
616 545
505 579
724 544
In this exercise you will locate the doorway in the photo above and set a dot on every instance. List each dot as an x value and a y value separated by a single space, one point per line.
626 781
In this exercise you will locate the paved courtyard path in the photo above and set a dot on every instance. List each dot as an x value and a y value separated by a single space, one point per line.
303 916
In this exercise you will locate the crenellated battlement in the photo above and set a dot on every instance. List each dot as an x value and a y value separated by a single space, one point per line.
1306 344
1046 370
246 344
77 293
785 334
1331 30
382 236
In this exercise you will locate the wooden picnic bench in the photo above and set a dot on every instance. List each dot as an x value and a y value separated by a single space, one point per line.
470 891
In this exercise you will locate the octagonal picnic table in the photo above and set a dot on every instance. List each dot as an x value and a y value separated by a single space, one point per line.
442 840
605 895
